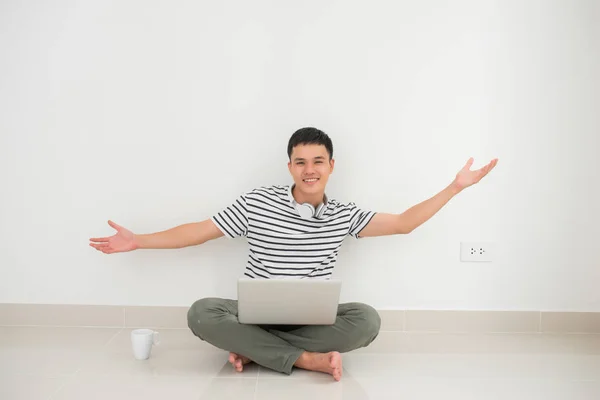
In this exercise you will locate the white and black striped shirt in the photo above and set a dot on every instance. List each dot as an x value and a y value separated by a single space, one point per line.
283 245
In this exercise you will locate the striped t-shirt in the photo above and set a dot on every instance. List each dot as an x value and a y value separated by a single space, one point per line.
283 245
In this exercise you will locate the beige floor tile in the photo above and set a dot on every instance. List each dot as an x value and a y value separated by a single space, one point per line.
166 363
470 389
155 387
500 343
24 387
299 389
297 374
474 366
56 337
234 389
387 342
51 352
42 362
442 343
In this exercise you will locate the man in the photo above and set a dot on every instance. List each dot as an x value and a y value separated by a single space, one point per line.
293 232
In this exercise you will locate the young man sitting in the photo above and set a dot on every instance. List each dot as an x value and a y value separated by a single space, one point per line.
293 231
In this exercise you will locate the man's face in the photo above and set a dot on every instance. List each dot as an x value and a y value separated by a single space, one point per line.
310 167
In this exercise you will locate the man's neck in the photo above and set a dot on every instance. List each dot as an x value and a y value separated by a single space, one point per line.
314 199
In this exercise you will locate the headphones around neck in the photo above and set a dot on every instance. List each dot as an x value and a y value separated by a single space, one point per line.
307 210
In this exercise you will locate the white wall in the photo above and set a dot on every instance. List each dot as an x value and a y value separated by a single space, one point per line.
155 114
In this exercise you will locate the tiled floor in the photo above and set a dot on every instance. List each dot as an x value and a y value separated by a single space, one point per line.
96 363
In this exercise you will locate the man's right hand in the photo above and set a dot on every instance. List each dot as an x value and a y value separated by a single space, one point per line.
123 240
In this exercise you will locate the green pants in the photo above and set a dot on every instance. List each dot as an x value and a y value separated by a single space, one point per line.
278 347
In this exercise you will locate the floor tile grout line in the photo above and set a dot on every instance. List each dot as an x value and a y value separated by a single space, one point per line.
68 380
61 387
255 397
256 386
113 338
72 377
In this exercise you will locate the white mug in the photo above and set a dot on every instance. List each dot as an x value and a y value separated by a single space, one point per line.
142 341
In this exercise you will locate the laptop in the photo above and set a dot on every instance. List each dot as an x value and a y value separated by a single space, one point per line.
288 301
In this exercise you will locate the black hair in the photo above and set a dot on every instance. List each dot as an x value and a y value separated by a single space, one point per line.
310 136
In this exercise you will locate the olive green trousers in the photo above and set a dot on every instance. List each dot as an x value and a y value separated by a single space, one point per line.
278 347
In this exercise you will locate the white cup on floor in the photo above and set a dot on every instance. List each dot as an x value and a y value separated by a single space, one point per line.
142 341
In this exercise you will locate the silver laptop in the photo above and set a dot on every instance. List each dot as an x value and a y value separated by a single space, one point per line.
288 301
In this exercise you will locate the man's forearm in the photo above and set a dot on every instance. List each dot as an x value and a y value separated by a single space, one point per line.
422 212
174 238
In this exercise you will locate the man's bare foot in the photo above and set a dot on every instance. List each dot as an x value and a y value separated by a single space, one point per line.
330 363
238 361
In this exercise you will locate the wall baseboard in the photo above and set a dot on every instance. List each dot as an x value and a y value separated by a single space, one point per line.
450 321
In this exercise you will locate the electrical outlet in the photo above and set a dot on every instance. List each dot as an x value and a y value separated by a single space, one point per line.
476 251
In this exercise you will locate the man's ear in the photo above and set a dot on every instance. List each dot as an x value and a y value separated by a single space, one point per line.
290 166
331 164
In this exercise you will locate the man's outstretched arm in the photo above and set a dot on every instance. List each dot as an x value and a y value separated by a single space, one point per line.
394 224
175 238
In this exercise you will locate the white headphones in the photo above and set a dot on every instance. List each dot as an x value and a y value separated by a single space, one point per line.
306 210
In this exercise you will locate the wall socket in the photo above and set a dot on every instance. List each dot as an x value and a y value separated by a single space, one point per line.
476 251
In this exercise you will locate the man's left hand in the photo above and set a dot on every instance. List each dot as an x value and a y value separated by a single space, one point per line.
466 177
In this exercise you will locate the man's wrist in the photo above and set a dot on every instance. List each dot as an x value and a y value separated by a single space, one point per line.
454 188
137 242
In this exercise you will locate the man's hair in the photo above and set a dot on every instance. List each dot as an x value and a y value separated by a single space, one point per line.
310 136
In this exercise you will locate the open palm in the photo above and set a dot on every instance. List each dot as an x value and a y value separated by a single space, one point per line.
123 240
466 177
